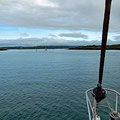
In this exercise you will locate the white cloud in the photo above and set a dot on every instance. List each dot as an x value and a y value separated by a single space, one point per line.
45 3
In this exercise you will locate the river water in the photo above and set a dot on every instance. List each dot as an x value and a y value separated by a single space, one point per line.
51 85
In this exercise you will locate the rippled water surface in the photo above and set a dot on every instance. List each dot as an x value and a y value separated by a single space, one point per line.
51 85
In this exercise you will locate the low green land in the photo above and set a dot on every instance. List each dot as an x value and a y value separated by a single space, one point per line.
2 49
96 47
89 47
36 47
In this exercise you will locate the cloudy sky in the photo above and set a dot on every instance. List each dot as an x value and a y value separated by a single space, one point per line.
56 22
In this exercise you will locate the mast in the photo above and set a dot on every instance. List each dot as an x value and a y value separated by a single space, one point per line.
99 92
104 38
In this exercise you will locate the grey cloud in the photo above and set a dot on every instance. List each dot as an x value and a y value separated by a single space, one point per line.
51 35
24 35
69 14
48 41
74 35
117 38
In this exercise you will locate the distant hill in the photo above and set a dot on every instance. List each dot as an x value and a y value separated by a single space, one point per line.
96 47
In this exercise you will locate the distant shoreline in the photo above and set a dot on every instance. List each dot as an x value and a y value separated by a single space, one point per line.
2 49
96 47
35 47
89 47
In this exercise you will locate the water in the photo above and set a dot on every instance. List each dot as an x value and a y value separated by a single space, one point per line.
51 85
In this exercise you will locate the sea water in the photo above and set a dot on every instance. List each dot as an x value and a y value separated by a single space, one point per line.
51 85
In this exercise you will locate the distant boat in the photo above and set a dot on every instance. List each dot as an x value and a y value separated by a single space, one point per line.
45 48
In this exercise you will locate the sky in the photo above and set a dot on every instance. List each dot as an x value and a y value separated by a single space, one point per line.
56 22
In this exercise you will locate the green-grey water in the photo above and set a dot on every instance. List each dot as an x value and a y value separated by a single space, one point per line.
51 85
